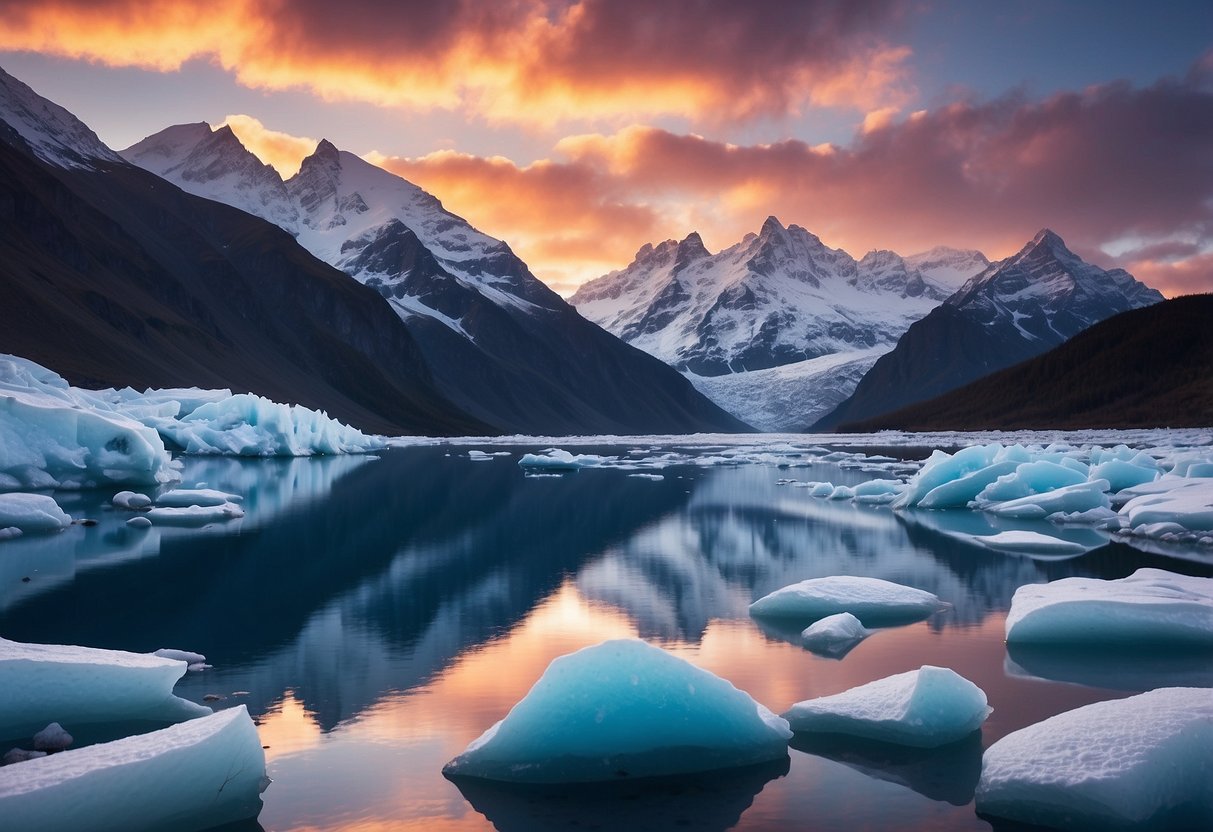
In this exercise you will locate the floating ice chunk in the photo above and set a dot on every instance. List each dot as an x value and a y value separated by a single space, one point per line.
650 477
960 492
185 497
1121 474
941 468
1140 762
479 456
561 460
1071 498
1149 606
10 533
32 513
1029 542
1186 502
52 435
52 738
1100 517
868 599
39 682
842 492
877 492
139 522
1185 464
834 635
190 776
131 500
928 707
623 708
193 515
1028 479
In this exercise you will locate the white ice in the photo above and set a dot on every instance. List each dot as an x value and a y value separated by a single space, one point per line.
55 435
180 655
624 709
131 500
561 460
1149 606
871 600
1185 501
1083 496
926 708
193 515
1029 542
32 513
198 774
41 682
1141 762
834 635
186 497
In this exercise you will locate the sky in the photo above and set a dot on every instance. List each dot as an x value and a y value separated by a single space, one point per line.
579 131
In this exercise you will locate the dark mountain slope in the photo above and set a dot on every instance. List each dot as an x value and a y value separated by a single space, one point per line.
112 276
1150 367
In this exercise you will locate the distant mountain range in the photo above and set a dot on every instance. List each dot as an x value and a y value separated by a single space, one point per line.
114 276
777 325
1015 309
1150 367
498 342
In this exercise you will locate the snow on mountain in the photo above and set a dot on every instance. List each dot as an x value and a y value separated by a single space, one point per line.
949 267
51 132
776 299
1013 310
498 341
215 165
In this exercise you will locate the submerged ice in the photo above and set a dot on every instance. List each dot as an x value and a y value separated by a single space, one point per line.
928 707
624 709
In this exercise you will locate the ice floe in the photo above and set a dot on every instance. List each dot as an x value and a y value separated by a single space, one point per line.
1149 606
40 682
32 513
871 600
834 635
193 515
623 709
928 707
131 500
1029 542
194 775
186 497
561 460
1137 763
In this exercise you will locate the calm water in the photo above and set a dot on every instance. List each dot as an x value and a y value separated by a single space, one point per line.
381 613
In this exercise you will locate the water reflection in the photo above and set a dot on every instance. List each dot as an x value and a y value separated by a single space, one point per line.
1117 668
377 615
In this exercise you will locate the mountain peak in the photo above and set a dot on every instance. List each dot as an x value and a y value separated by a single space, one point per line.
326 150
770 226
49 131
690 250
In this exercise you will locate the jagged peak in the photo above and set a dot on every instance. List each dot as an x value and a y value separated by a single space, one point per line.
770 226
692 248
326 150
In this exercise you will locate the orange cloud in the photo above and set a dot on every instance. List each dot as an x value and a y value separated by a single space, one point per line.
282 150
524 61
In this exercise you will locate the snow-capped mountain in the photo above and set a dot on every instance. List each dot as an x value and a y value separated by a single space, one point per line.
500 343
1014 310
949 267
51 132
114 277
807 318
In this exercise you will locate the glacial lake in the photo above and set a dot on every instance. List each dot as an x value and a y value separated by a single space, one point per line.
376 614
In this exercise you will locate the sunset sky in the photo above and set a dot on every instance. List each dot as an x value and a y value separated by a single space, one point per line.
577 131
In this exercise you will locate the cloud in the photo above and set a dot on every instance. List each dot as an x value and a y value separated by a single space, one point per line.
512 60
282 150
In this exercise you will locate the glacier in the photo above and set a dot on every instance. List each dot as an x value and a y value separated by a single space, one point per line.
871 600
194 775
1136 763
73 685
926 708
53 435
623 708
1151 606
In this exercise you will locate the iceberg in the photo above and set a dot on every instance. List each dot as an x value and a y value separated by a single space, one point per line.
186 497
870 600
925 708
1186 502
1069 499
1029 543
195 775
834 635
1030 478
53 435
32 513
193 515
1122 474
1136 763
559 460
131 500
41 682
623 709
1149 606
